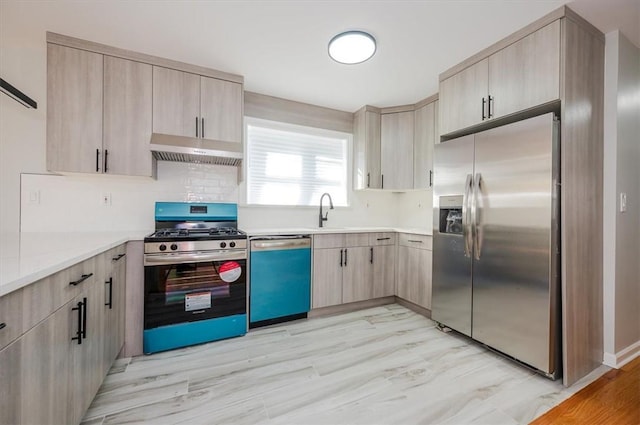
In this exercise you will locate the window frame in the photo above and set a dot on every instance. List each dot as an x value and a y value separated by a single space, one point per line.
313 131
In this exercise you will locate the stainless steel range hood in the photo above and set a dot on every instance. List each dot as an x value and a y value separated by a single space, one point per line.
166 147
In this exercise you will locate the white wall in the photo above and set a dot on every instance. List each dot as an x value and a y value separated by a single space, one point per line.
621 174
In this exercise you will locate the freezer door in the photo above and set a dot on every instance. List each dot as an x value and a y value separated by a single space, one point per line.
514 284
451 279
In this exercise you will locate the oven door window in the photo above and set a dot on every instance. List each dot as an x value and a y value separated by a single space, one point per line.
177 293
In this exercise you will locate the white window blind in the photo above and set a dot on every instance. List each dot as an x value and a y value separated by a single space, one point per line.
293 165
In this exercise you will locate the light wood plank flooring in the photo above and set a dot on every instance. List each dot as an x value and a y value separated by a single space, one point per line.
384 365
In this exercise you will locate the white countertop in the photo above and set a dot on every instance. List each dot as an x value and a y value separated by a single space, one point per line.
28 257
318 230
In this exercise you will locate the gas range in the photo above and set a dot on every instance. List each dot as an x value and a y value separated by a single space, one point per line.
195 228
195 276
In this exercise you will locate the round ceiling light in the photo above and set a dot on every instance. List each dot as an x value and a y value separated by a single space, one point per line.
352 47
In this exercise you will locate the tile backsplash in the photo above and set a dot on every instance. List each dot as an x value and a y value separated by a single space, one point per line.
54 203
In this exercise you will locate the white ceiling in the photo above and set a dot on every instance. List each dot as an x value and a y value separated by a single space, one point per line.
281 46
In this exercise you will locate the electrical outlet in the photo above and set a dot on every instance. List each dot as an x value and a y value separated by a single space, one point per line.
34 197
623 202
106 199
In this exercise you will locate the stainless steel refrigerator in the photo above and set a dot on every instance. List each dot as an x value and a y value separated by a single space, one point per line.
496 239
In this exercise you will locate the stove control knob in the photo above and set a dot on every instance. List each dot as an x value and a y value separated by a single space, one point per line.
223 244
232 244
163 247
174 247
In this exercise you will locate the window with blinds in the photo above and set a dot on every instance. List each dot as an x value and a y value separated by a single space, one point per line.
294 165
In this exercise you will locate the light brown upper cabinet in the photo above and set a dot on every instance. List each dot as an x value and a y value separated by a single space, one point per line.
190 105
424 139
396 147
98 113
463 98
74 110
366 149
127 117
520 76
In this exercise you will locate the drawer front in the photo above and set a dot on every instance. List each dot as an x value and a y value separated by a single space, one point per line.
416 241
382 238
332 240
11 320
45 296
356 239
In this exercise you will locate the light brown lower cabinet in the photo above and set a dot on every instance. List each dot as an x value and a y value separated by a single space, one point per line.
414 269
352 267
51 373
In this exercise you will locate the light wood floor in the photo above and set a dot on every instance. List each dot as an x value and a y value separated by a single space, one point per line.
383 365
613 398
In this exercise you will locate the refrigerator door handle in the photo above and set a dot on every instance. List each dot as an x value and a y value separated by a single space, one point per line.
477 215
466 220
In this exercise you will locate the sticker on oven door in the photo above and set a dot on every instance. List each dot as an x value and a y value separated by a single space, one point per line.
197 301
230 271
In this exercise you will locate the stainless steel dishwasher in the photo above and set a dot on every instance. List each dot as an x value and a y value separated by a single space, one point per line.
280 279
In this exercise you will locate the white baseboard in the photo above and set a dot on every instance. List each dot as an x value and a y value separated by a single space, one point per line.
622 357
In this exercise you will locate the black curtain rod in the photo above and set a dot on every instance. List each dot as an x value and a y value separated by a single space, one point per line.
17 95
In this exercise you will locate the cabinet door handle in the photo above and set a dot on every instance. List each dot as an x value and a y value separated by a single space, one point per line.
97 160
84 318
345 257
489 114
106 161
371 254
430 178
382 181
202 132
118 257
413 240
78 336
368 179
383 239
3 325
196 126
341 257
110 283
82 279
484 102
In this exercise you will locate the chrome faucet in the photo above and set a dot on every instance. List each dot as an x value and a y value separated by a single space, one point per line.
320 217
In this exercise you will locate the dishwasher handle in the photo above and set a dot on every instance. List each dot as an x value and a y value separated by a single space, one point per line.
280 244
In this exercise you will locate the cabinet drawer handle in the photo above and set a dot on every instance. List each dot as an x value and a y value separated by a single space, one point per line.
383 239
3 325
82 279
78 336
117 258
110 283
97 160
413 240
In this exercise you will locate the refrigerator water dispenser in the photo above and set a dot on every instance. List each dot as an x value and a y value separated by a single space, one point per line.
451 214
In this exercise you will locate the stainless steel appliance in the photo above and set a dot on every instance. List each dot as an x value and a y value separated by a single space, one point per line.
496 239
280 279
195 267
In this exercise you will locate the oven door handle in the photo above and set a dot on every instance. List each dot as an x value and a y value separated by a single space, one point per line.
194 257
